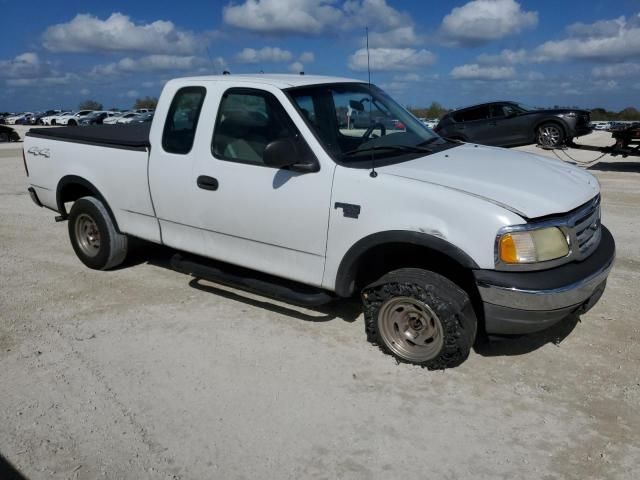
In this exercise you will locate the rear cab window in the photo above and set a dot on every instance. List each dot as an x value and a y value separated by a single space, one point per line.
182 120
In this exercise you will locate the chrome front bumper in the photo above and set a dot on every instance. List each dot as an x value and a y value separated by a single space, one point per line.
525 302
549 299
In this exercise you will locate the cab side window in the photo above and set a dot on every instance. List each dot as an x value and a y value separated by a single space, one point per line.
182 120
248 120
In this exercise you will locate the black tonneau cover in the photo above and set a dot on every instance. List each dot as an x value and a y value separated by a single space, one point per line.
131 137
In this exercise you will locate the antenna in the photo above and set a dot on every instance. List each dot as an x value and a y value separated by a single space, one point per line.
372 173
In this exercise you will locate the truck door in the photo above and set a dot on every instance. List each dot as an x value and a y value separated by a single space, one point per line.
269 219
172 163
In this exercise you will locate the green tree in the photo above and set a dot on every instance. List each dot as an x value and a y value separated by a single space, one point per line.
146 102
90 105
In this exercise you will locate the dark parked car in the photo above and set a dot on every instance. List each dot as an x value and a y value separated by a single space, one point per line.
507 124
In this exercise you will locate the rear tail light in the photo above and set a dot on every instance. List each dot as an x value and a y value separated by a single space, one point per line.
24 160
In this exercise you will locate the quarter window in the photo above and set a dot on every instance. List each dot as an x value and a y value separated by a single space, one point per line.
182 120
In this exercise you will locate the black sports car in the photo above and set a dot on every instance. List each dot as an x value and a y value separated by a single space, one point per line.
508 124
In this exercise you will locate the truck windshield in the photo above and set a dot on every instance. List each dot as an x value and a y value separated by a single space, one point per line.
356 121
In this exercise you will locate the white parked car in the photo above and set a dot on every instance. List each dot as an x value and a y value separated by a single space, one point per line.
113 118
49 119
128 117
72 119
17 118
52 119
438 238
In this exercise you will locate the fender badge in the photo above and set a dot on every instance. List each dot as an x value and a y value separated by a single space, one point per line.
43 152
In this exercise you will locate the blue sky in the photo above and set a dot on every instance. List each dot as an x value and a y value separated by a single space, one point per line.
564 52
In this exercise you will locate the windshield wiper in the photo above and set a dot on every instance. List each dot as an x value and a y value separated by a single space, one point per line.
397 148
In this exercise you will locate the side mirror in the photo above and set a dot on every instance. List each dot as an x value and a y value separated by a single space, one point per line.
283 153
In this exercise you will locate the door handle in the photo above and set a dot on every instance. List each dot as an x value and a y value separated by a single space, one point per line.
207 183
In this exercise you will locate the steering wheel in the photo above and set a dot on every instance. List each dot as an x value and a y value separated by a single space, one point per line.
369 131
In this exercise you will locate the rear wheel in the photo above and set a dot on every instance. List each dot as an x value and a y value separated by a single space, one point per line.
93 235
4 137
420 317
550 135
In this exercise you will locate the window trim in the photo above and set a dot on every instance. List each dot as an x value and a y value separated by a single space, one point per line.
265 94
189 89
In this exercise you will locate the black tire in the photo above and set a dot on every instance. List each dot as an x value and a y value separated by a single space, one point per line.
93 235
72 123
4 137
550 134
449 324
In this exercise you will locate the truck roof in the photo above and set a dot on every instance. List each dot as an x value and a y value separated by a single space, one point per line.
278 80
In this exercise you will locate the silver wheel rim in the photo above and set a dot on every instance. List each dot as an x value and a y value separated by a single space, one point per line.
410 329
87 235
549 135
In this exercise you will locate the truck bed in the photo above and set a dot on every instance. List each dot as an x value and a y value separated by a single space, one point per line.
130 137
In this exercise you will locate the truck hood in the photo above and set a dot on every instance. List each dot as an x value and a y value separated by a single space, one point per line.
526 184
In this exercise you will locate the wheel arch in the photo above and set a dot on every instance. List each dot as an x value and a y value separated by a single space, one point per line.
399 245
72 187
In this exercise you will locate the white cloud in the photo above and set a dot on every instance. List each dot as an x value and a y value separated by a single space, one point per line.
154 63
599 29
481 21
477 72
505 57
24 65
391 59
375 14
266 54
132 94
296 67
283 16
86 33
85 91
160 62
617 70
54 79
397 37
312 17
602 40
306 57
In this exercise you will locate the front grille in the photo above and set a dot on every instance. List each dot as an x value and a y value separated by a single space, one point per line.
585 229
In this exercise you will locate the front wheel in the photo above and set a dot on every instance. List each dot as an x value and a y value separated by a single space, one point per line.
420 317
93 235
72 123
550 135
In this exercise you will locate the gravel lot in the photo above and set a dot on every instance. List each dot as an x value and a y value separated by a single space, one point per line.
138 373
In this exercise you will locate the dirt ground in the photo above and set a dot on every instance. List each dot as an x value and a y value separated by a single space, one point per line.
139 373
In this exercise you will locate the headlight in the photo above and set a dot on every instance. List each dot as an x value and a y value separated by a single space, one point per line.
532 246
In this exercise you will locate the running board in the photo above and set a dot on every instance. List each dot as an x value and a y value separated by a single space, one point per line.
251 281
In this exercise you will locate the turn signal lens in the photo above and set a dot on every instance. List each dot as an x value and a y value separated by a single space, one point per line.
533 246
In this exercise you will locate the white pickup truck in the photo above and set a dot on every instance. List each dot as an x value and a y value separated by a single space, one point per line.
261 174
